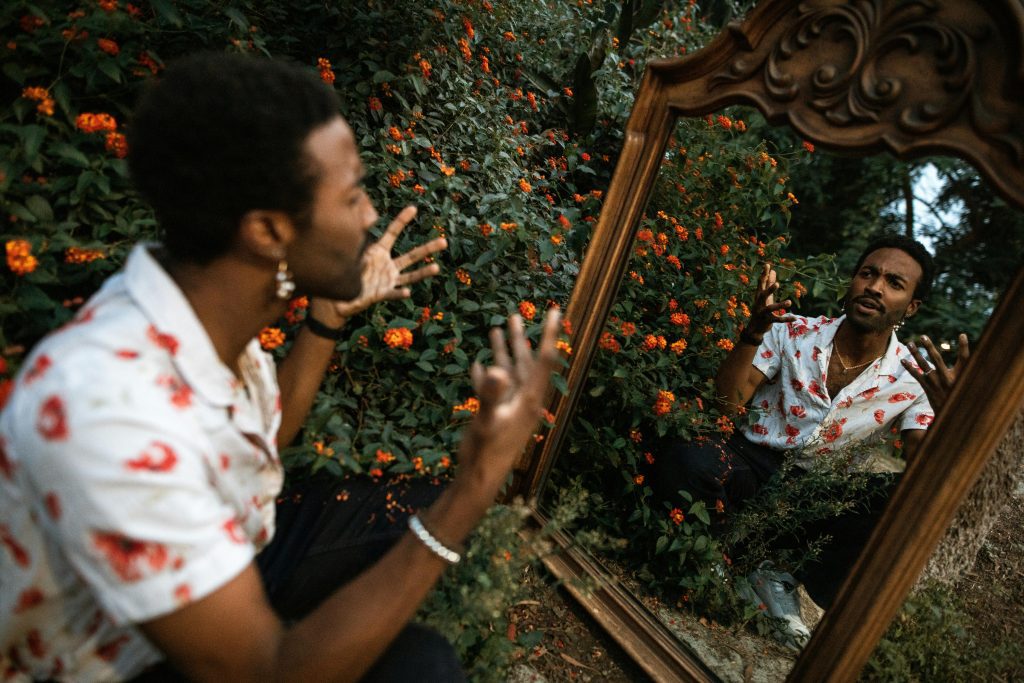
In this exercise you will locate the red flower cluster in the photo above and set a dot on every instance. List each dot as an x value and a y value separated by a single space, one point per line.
398 338
663 404
271 337
326 73
19 257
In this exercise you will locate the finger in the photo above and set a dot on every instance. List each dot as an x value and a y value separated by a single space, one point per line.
547 352
771 308
935 356
762 282
396 226
393 294
963 351
500 350
520 347
915 370
415 276
419 253
492 386
918 358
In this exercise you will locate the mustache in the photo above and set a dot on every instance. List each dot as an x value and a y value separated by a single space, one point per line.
869 300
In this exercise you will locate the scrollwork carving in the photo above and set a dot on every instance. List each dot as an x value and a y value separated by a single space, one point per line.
911 64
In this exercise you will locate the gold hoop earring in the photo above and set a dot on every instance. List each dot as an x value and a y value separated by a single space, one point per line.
285 283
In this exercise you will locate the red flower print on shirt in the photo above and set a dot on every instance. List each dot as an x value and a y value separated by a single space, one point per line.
879 416
891 378
760 429
17 551
52 503
234 530
51 423
225 461
796 384
901 396
164 341
6 466
845 403
27 599
924 419
38 369
833 431
815 353
127 556
183 594
869 394
797 329
126 354
798 411
797 354
816 389
767 353
792 432
181 393
108 651
158 457
35 644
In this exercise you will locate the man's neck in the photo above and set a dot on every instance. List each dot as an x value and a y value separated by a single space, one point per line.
860 346
232 300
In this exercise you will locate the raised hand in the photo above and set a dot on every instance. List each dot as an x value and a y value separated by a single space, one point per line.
383 278
762 313
936 381
511 394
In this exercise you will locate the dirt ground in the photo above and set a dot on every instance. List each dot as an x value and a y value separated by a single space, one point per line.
574 648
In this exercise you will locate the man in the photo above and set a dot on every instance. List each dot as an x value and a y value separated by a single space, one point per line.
815 386
139 465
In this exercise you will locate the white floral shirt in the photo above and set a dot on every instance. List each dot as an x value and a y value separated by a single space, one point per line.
137 474
794 409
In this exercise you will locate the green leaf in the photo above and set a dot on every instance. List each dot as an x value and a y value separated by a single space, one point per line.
32 138
166 11
72 154
237 18
40 208
558 381
110 68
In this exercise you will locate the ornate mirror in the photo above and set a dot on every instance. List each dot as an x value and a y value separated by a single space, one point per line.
908 77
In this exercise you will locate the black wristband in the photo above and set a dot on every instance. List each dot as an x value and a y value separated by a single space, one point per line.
748 338
321 330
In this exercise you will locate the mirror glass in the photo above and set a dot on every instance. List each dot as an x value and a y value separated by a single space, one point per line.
733 194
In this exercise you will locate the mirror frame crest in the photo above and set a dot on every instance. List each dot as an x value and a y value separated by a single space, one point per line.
909 77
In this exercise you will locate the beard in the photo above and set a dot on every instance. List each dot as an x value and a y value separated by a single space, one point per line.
881 321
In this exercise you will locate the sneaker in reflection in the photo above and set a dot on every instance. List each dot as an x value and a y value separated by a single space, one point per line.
777 590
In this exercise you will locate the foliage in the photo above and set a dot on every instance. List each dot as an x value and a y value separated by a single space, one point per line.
930 640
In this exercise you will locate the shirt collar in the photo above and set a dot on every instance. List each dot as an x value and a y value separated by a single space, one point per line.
167 309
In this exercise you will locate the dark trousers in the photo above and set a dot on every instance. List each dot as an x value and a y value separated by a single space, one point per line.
725 473
327 533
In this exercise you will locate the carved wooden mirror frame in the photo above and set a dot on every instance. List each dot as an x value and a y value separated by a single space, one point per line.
910 77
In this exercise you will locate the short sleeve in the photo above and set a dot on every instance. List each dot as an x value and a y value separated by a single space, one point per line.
769 354
919 415
126 490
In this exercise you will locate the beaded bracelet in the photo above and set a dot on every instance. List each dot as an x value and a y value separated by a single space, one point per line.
435 546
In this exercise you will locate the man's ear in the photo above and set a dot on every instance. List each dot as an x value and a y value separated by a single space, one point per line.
266 234
912 308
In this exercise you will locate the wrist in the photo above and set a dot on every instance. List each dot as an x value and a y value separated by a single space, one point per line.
325 312
751 338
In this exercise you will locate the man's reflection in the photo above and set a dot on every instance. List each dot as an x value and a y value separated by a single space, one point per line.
815 386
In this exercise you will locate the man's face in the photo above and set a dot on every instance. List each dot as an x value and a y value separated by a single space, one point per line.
882 290
327 255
